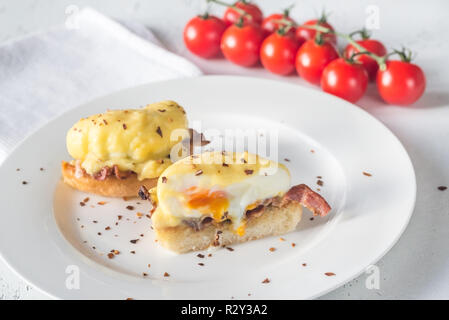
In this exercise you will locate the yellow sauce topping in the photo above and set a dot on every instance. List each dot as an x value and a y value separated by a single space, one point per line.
137 139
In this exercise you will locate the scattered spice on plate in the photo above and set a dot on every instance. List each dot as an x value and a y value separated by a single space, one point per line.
134 241
248 171
209 255
199 255
164 179
124 126
320 183
130 207
86 199
286 159
120 217
24 182
266 280
312 151
199 172
95 221
107 228
41 169
116 252
312 218
99 233
293 244
442 188
229 249
166 274
144 274
304 264
129 299
139 214
201 264
101 203
281 239
319 177
149 265
111 255
367 174
330 274
82 204
133 252
272 249
18 169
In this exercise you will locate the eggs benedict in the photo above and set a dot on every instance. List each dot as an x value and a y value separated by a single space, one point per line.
220 198
118 151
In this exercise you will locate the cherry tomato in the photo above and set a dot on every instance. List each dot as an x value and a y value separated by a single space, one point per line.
312 58
369 63
344 79
401 82
240 44
270 24
232 16
202 35
278 53
304 34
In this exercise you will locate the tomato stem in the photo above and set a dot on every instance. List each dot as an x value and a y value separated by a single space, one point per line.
287 10
405 54
238 10
380 60
364 33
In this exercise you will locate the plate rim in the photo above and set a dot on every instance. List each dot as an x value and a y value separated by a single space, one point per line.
238 78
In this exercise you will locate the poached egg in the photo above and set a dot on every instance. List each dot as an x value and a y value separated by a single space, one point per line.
219 185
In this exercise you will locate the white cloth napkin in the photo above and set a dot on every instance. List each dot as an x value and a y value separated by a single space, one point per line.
45 74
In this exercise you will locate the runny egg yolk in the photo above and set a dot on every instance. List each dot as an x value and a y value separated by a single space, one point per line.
207 201
241 229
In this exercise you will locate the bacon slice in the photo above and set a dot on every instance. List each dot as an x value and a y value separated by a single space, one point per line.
309 199
103 173
121 174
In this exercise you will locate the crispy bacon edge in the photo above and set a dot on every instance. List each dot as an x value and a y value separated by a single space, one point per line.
309 199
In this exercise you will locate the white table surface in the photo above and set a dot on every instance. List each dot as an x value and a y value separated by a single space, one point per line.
418 265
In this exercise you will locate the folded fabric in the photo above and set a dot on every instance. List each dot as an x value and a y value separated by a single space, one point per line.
47 73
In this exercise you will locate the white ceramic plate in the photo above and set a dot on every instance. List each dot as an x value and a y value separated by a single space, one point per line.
47 237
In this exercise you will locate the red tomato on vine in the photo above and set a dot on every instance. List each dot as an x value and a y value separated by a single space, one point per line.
234 12
278 52
271 23
202 35
371 45
303 33
312 57
241 43
400 81
345 79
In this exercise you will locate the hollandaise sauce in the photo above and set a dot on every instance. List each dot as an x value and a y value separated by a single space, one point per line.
137 140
